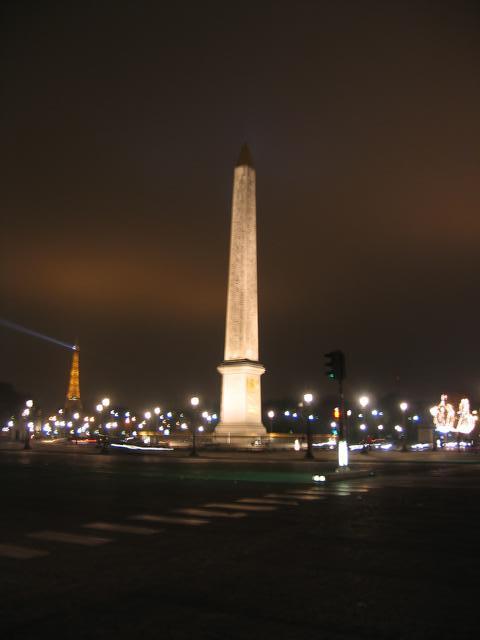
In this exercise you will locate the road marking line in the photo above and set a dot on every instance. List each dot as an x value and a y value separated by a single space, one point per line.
327 494
121 528
20 553
170 519
210 514
69 538
339 490
296 496
317 493
292 503
240 507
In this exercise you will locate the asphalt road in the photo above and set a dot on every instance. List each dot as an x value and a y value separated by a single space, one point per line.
113 546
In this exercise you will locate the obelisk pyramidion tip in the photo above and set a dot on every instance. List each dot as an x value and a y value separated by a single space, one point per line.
245 157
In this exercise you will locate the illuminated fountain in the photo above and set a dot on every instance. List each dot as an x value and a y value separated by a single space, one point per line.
443 415
466 420
447 421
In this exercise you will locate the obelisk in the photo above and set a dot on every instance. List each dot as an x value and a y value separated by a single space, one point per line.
241 405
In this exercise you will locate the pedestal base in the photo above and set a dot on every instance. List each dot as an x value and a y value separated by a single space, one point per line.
241 410
244 436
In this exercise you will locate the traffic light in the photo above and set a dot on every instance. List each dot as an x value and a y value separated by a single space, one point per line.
335 365
336 413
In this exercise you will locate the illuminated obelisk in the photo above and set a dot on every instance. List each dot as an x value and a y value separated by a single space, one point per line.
241 406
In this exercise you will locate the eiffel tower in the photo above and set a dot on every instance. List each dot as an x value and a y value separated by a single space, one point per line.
73 402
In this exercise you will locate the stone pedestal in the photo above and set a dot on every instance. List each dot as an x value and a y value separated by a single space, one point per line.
241 407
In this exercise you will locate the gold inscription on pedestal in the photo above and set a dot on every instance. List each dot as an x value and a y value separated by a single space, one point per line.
253 387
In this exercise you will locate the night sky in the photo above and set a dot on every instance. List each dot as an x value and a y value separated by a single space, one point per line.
120 124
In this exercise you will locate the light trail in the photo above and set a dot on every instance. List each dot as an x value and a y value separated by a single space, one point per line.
30 332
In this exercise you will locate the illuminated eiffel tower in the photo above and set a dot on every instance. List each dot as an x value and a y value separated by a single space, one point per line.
73 402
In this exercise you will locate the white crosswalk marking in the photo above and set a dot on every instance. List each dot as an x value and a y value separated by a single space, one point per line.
208 513
265 500
241 507
327 494
121 528
20 553
332 493
170 519
313 492
69 538
338 490
295 496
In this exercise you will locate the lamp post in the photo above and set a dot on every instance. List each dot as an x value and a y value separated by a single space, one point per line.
363 401
307 401
194 402
403 409
271 415
26 413
104 404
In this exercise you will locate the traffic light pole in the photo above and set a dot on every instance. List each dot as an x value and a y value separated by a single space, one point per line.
342 446
336 370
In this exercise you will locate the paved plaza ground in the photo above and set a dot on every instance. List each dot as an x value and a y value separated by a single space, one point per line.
237 546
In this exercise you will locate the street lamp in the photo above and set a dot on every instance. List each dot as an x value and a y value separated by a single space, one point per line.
194 402
364 401
403 409
271 415
76 418
100 407
307 401
26 413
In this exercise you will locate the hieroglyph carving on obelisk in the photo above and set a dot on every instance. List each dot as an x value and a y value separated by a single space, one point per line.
241 405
